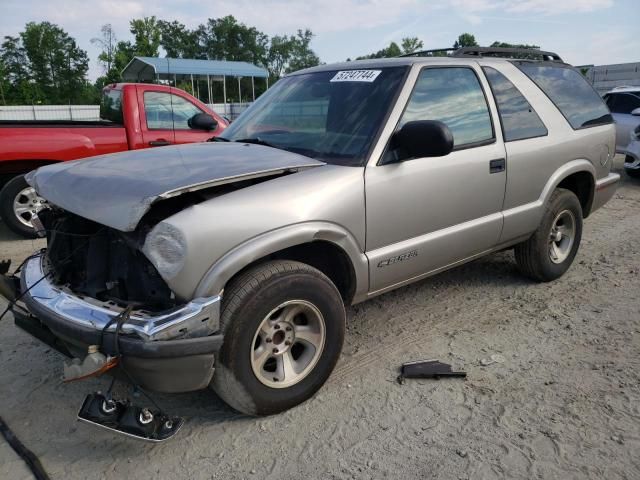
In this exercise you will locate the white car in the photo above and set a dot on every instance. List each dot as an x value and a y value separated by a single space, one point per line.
624 103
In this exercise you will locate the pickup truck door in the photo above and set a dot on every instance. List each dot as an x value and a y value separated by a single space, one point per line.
166 116
425 214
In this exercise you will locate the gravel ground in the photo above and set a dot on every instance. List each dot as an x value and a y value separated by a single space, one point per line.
563 400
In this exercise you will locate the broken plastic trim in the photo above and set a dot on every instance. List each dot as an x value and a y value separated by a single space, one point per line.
427 369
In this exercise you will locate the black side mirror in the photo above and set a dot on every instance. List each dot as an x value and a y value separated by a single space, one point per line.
202 121
421 138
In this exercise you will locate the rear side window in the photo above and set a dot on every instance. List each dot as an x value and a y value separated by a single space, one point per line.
111 106
570 92
623 102
452 95
519 119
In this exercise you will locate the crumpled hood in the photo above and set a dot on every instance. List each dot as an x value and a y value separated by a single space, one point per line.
118 189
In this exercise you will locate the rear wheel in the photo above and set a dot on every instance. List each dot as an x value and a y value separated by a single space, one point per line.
18 203
550 251
283 324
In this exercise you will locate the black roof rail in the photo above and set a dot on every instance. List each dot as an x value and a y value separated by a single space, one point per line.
514 53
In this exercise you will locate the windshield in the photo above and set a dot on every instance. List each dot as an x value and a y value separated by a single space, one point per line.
332 116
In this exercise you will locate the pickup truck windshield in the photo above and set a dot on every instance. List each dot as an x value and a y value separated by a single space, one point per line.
331 116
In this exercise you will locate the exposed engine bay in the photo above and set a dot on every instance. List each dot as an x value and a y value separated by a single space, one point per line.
103 263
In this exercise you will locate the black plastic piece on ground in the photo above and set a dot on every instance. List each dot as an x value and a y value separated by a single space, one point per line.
427 369
130 420
27 455
5 265
9 286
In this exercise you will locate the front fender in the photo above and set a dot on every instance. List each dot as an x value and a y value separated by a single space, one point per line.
245 254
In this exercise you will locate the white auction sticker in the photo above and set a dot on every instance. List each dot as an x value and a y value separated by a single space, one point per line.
356 76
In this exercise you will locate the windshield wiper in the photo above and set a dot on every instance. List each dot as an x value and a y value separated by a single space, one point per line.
218 139
257 141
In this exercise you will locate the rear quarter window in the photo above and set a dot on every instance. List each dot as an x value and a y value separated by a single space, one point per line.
570 92
111 106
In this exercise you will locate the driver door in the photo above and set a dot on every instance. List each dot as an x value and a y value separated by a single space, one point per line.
167 116
426 214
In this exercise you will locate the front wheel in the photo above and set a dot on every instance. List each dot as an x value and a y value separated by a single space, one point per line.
18 203
283 324
550 251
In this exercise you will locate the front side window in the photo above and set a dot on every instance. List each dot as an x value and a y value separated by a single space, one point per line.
570 92
623 102
333 116
165 111
519 119
452 95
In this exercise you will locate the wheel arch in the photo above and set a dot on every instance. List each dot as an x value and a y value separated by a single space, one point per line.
326 246
578 176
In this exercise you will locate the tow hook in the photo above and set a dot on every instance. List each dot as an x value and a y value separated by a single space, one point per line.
122 417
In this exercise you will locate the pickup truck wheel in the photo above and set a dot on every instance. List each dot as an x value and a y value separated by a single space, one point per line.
18 201
550 251
283 324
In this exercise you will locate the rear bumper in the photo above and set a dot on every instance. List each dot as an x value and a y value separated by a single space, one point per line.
157 362
605 188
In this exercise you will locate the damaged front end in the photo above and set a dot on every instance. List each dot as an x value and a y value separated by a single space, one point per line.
93 286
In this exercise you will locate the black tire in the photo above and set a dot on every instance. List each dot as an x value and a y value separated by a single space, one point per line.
533 256
247 301
7 195
633 173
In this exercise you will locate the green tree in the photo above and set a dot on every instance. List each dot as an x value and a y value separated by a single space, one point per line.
17 86
147 34
226 39
513 45
465 40
178 41
411 45
55 62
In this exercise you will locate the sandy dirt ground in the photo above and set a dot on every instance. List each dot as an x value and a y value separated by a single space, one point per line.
563 401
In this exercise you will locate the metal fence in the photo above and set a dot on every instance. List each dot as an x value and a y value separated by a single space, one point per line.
607 77
91 112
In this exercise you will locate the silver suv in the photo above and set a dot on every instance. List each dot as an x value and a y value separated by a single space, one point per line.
624 103
229 264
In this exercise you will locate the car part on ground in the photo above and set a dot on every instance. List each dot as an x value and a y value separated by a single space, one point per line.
235 258
130 420
428 369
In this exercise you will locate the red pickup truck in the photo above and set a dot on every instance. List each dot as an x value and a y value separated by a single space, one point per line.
131 116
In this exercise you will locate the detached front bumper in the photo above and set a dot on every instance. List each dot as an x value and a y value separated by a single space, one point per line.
167 352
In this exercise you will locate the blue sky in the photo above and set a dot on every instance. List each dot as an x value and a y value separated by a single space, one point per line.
581 31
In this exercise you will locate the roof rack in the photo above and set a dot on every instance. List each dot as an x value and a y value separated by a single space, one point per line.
514 53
